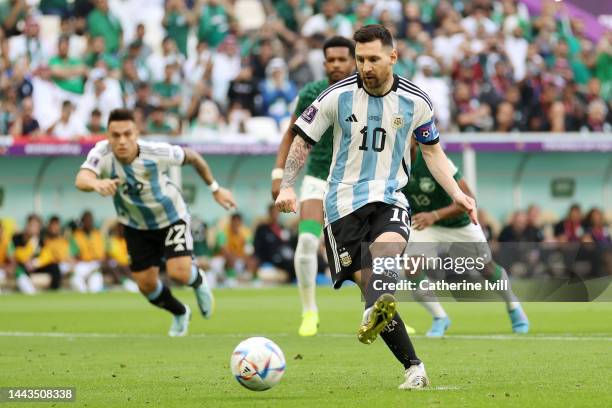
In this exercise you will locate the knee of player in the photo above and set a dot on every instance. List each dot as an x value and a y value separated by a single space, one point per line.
307 244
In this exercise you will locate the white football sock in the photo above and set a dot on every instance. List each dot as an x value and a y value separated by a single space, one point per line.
429 301
305 262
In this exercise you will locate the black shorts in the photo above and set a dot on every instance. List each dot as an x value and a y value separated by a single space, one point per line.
344 237
149 247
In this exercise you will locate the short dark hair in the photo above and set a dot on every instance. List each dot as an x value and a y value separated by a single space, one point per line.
120 114
338 41
54 219
373 32
96 112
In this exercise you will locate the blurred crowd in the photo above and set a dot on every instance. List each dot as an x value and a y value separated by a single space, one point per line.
188 66
88 257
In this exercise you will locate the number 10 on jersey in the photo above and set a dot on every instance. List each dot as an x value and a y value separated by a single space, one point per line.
378 139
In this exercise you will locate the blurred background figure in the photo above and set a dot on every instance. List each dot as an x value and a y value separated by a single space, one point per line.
88 247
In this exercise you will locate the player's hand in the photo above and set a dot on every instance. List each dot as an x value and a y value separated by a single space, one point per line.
423 220
468 204
225 198
276 188
107 187
286 201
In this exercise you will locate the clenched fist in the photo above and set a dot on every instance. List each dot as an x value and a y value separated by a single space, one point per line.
286 201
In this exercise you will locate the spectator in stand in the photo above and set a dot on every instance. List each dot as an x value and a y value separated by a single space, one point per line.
144 50
328 22
470 115
157 123
95 126
170 55
597 119
68 73
168 92
243 91
56 248
98 57
434 86
101 92
234 242
570 229
89 250
21 79
68 126
516 230
505 118
596 229
25 124
226 67
272 244
27 250
277 91
208 118
177 21
214 18
29 44
362 16
198 67
260 58
534 231
102 22
144 99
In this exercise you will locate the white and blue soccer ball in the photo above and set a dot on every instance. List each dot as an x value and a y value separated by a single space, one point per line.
258 363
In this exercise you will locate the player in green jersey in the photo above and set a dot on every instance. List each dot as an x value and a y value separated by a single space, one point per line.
339 64
436 219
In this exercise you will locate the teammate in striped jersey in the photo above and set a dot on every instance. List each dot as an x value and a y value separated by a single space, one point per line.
373 115
151 208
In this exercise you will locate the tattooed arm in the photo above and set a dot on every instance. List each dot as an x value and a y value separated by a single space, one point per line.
298 153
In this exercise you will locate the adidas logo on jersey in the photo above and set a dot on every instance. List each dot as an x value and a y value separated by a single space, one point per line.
351 118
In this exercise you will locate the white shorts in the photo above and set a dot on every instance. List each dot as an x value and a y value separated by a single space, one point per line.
468 241
313 189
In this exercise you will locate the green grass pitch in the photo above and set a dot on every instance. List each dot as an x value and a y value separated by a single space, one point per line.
112 347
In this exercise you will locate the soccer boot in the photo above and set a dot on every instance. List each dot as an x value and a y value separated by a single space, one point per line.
379 316
416 377
520 323
310 324
204 296
438 327
180 323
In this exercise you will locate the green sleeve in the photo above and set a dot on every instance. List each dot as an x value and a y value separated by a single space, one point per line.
74 248
305 98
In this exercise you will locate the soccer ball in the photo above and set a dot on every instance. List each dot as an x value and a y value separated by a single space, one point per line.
257 363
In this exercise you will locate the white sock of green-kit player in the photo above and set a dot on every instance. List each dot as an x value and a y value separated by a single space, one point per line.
507 294
429 301
306 264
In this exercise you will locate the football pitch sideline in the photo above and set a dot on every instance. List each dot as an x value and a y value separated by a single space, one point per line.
113 349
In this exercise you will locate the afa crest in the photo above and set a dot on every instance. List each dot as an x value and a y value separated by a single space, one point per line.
345 259
398 121
427 185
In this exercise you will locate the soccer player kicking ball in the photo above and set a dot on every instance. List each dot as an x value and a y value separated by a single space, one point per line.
436 218
374 114
339 63
135 174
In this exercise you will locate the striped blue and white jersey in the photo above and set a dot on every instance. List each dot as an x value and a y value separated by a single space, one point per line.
371 160
146 199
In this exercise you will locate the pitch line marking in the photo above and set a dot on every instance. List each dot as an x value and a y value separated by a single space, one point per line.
241 335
